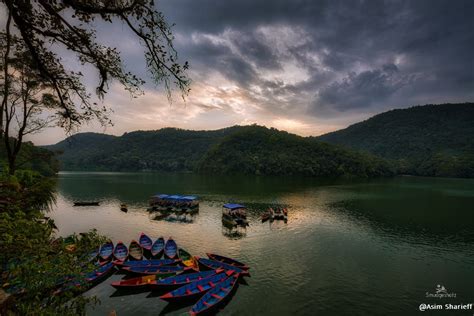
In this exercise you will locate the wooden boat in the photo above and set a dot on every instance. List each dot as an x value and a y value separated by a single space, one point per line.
123 208
194 289
227 260
212 264
139 282
187 259
158 247
145 242
278 213
147 263
171 249
215 296
143 270
266 216
183 279
86 203
101 273
234 215
135 252
120 251
106 250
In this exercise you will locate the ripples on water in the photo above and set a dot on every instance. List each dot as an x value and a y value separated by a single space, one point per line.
353 248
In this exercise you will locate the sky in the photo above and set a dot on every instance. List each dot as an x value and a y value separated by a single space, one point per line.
308 67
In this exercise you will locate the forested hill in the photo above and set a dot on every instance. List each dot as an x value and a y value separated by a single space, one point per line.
431 140
259 150
167 149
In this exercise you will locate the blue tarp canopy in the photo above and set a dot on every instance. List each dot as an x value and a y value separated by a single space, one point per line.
189 198
174 197
161 196
231 206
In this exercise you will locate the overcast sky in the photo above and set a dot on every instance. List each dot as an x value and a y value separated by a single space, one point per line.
308 67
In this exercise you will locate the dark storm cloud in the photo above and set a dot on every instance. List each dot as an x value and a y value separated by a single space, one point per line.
357 54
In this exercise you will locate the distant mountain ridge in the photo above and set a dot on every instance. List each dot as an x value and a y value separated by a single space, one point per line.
431 140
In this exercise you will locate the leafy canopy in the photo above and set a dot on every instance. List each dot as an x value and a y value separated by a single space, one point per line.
45 28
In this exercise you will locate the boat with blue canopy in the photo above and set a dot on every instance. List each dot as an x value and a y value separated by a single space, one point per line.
234 215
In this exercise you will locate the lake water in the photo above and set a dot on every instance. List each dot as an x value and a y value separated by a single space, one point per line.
349 247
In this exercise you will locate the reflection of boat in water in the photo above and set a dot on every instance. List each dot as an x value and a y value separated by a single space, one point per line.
186 217
234 215
234 232
173 203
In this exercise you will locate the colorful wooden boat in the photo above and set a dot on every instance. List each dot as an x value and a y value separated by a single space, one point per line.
194 289
171 249
106 250
145 242
183 279
213 264
227 260
120 251
157 248
135 251
143 270
101 273
215 296
146 263
139 282
187 259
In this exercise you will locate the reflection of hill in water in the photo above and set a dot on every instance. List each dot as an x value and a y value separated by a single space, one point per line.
414 224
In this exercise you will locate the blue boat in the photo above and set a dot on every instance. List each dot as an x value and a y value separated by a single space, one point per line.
182 279
195 289
215 296
143 270
148 263
212 264
120 252
158 247
171 249
100 273
106 250
145 242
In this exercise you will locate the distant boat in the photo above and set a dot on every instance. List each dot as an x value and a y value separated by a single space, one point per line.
135 251
171 249
229 261
157 248
215 296
123 208
86 203
106 250
234 215
120 251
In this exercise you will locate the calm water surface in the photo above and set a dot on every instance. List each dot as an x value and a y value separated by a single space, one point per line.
349 248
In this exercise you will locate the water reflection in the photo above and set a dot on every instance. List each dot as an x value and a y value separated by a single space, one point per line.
394 238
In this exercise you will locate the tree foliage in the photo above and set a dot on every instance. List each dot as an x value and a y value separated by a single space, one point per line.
262 151
33 262
45 28
430 140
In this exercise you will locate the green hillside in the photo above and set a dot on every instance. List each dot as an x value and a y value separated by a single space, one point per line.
430 140
262 151
167 149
